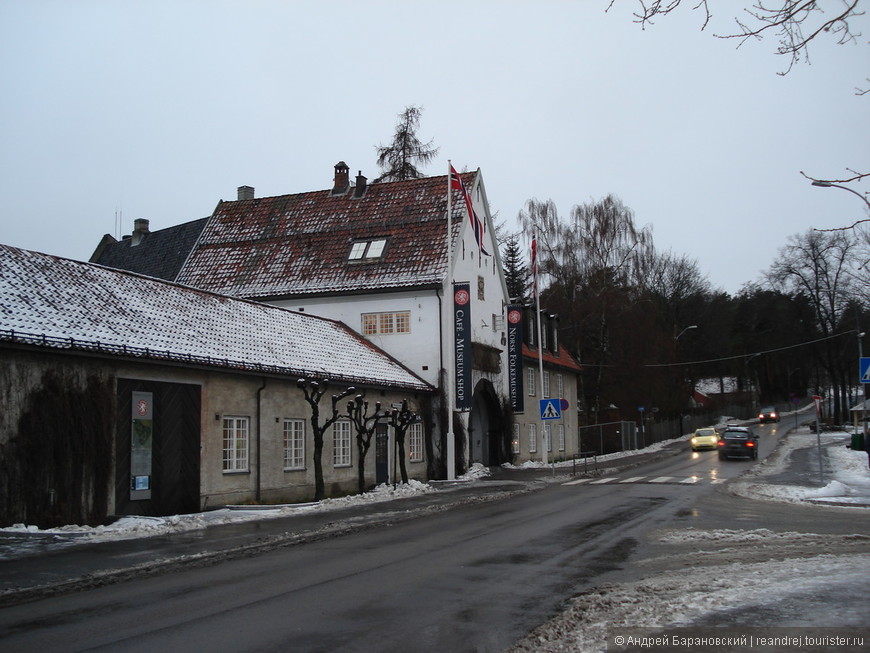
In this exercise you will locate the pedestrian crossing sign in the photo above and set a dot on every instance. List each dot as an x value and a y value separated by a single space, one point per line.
864 370
551 409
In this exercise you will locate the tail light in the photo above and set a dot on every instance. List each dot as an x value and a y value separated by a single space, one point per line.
750 443
721 443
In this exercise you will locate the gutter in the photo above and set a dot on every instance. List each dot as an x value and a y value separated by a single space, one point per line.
259 435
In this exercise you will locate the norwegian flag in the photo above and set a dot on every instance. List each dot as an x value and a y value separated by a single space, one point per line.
477 225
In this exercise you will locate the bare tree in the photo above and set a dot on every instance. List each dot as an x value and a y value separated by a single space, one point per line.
399 159
401 419
314 391
796 23
365 426
819 267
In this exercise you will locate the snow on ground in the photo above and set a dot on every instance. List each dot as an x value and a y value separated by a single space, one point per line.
685 597
137 526
761 569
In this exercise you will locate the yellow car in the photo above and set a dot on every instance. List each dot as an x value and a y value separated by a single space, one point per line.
705 438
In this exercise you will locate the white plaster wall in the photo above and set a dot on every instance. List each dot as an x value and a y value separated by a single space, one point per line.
419 350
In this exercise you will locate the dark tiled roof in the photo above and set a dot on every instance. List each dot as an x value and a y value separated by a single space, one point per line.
299 244
53 302
160 254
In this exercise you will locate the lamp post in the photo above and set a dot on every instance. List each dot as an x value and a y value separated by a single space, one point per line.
828 184
677 337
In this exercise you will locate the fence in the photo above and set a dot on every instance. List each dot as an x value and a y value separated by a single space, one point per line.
612 437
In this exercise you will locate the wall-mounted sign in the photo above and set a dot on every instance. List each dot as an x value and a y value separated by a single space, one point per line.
141 446
515 356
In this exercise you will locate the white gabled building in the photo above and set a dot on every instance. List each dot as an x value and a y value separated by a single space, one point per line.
376 257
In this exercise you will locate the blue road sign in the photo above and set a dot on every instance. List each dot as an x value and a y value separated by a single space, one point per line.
551 408
864 369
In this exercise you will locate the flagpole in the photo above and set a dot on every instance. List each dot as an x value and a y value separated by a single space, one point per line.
544 454
451 335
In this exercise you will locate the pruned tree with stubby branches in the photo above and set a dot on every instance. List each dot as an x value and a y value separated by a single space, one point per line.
401 419
314 389
365 426
399 159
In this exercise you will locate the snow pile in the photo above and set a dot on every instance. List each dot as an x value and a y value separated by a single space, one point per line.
134 527
849 482
679 597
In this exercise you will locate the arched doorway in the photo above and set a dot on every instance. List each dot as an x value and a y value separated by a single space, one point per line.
485 426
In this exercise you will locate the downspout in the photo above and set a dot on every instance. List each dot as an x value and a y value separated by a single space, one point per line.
259 436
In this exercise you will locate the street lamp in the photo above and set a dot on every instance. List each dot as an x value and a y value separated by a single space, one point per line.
677 337
828 184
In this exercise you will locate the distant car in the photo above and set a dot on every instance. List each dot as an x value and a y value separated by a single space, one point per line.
768 414
706 438
738 442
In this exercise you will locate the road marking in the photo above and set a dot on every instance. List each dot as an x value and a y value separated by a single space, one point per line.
659 480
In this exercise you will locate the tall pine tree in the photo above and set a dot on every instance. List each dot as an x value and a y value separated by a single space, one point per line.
516 272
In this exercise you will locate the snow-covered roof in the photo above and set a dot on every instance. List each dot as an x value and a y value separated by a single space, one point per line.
299 244
56 302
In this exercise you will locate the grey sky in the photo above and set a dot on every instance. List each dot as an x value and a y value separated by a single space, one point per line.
159 109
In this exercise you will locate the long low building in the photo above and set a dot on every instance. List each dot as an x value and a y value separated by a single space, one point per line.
126 394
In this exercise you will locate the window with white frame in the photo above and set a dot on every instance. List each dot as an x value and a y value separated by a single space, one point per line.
236 436
560 431
560 386
533 438
548 437
341 444
294 444
386 323
415 442
515 441
367 250
530 377
546 384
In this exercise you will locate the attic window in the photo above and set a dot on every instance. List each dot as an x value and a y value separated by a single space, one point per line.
367 250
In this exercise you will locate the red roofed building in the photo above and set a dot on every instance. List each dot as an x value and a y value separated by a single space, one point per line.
376 257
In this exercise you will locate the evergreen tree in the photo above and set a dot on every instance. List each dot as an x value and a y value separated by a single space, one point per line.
398 159
516 271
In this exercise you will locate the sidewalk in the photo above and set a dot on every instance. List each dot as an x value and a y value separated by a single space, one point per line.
34 565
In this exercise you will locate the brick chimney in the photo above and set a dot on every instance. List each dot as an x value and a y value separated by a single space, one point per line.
246 192
140 230
342 178
360 188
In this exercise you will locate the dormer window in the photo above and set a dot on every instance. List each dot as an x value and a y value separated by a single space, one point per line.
367 250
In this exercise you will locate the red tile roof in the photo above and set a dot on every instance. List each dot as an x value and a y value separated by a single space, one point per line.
562 359
299 244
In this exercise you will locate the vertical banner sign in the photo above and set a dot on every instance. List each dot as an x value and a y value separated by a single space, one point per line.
515 356
141 442
462 343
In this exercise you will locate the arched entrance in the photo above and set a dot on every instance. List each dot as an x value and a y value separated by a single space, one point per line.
485 427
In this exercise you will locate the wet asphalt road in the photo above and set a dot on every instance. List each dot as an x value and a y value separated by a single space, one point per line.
474 578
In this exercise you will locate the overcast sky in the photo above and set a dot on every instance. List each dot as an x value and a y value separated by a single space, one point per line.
159 109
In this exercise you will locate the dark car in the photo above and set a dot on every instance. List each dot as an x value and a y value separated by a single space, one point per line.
768 414
738 442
